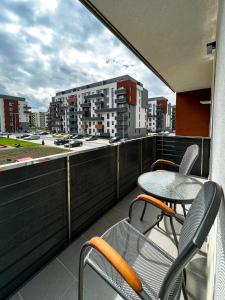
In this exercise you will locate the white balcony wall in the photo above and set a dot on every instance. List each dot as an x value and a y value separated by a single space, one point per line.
218 161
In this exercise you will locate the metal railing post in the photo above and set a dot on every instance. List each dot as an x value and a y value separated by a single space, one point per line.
68 198
202 152
118 172
141 156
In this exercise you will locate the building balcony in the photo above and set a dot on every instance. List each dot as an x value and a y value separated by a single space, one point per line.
93 96
86 104
122 91
114 109
99 126
121 118
121 126
121 100
47 214
90 119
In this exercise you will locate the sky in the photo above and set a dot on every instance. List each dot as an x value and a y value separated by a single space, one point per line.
49 46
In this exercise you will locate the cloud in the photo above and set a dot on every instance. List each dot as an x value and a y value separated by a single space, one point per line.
48 46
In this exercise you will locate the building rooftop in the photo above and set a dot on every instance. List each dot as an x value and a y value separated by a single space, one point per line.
99 83
12 97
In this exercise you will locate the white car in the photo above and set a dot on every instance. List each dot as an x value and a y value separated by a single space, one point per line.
32 137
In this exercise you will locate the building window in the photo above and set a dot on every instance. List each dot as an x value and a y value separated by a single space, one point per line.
108 124
112 114
112 131
89 130
107 116
112 122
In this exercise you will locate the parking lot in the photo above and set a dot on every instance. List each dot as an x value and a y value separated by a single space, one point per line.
49 141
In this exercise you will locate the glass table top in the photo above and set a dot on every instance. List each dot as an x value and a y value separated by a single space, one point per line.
171 186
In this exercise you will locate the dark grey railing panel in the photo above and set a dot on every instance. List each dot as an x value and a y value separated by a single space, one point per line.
33 220
148 153
93 186
173 148
129 165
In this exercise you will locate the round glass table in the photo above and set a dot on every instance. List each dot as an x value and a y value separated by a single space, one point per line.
170 186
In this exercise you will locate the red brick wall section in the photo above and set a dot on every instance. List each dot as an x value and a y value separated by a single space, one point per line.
15 110
131 87
192 117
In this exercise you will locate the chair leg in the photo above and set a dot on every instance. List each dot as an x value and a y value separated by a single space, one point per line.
143 212
81 271
184 291
174 232
184 210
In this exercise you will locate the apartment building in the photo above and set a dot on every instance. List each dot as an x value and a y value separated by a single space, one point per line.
173 118
113 107
14 114
38 119
158 118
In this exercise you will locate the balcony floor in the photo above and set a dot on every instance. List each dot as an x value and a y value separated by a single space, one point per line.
58 280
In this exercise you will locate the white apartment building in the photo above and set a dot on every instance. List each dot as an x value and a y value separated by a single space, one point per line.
113 107
158 114
14 114
39 119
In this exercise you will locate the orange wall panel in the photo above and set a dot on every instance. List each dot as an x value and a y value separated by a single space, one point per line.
192 117
131 87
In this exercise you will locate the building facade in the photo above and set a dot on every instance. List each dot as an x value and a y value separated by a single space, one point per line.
113 107
158 118
14 114
39 119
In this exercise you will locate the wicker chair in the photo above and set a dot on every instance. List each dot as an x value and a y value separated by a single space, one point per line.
136 267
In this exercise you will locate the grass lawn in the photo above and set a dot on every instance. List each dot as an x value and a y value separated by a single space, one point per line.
10 155
11 142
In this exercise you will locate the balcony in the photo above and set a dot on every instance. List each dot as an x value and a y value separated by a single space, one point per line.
89 119
86 104
93 96
121 118
99 126
122 91
52 213
121 126
114 109
121 100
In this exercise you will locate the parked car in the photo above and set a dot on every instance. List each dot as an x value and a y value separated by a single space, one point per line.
115 139
43 133
73 144
92 138
32 137
78 136
61 141
22 136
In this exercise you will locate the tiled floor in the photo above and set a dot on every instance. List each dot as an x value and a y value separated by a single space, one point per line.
59 279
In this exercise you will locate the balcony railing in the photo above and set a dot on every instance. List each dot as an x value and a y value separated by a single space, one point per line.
87 119
86 104
46 202
97 95
121 91
121 100
114 109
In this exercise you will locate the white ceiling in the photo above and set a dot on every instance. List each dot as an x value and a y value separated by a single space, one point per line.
170 36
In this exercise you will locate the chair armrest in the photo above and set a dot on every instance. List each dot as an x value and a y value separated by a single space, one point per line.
163 161
156 202
114 258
